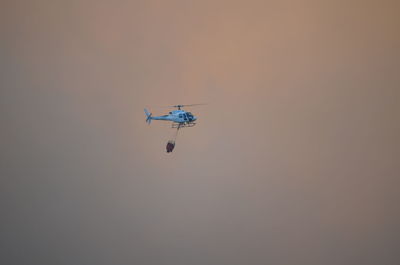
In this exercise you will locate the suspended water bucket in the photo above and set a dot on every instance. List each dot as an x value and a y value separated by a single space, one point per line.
170 146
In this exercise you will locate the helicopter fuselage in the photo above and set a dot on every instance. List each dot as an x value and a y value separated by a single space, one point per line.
177 116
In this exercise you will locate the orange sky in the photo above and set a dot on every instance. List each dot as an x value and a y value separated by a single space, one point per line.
294 161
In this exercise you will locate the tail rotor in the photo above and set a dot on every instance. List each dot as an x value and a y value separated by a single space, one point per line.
148 116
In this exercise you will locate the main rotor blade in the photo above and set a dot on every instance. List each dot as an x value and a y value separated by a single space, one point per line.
188 105
194 104
181 106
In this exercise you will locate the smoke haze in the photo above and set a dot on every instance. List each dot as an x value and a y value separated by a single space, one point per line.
295 160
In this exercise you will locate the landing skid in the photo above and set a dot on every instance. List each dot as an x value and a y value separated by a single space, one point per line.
178 125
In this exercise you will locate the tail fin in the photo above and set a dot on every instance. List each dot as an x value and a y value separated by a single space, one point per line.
148 115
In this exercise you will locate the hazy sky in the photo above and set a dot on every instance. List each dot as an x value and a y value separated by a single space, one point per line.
296 159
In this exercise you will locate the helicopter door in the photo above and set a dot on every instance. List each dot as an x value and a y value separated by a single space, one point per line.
185 117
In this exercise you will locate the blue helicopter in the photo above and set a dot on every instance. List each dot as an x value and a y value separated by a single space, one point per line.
179 117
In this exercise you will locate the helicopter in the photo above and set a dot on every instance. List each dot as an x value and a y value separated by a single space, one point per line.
179 117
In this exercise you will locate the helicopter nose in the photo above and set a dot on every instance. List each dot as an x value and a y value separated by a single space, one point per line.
194 118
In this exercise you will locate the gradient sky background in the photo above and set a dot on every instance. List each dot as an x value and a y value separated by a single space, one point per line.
294 161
